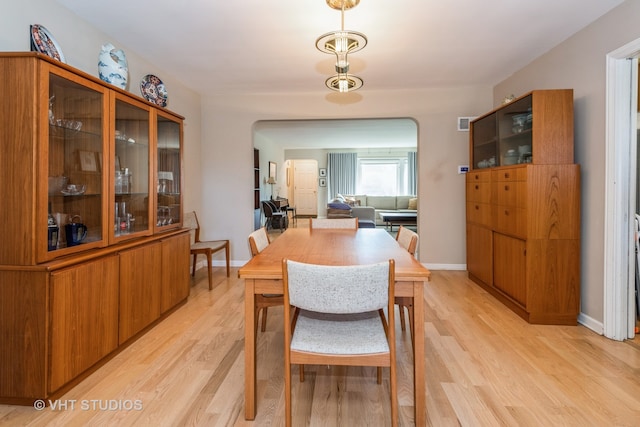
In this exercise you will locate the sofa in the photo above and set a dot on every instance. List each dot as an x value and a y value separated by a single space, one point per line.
380 204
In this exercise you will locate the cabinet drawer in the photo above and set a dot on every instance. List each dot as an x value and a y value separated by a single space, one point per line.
479 176
509 193
479 192
509 220
479 213
510 174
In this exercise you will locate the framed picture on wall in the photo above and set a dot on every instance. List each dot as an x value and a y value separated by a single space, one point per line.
272 170
323 182
323 172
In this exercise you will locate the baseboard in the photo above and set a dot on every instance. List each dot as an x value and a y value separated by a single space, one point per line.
445 266
591 323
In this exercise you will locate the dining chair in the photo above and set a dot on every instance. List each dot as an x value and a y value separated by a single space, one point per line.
344 223
258 241
288 208
408 239
339 320
273 216
206 248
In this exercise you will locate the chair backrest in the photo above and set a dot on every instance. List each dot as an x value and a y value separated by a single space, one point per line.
268 208
408 239
344 223
338 289
191 222
258 240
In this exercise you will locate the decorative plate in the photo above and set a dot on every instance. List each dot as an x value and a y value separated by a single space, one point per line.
153 90
42 41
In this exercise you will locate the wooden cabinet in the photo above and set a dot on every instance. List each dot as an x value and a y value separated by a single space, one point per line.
139 280
84 317
175 277
523 219
92 211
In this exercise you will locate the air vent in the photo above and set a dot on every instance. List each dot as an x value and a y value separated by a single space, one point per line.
464 123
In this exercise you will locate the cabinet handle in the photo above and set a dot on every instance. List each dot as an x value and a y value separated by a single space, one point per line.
477 186
476 177
506 174
477 207
506 188
506 213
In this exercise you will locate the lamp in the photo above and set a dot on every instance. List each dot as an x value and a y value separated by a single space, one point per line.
341 43
271 181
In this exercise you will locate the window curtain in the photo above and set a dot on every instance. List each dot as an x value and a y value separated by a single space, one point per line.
412 163
342 169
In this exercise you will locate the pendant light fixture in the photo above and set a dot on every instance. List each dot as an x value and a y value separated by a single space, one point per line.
341 43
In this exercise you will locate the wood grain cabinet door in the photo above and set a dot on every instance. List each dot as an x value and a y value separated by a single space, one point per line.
480 252
175 265
84 317
140 288
510 266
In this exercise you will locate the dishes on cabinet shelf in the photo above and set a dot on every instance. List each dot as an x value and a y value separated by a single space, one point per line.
153 90
57 184
42 41
74 190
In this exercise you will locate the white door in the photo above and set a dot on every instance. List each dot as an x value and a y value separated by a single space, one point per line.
305 186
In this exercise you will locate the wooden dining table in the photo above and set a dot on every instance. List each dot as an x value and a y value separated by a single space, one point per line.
263 275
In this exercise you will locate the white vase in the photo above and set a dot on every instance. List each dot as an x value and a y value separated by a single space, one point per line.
112 66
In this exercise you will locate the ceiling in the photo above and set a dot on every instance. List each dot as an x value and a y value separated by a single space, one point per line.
220 47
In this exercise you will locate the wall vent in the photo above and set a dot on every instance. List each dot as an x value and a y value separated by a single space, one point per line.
464 123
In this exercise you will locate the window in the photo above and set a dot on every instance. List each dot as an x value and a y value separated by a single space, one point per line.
382 177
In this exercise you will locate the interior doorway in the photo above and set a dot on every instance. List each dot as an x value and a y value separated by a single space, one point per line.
620 199
304 186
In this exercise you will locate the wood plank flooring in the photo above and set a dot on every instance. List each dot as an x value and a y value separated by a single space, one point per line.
485 367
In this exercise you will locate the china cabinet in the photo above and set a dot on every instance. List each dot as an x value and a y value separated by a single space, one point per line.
523 207
93 251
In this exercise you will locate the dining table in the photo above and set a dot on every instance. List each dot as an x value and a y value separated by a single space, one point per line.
263 275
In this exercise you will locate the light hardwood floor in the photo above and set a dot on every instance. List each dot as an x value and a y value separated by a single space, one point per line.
485 367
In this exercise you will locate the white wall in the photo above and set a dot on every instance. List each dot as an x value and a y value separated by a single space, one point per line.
80 44
580 63
228 149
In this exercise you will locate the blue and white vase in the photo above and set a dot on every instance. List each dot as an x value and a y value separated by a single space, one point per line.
112 66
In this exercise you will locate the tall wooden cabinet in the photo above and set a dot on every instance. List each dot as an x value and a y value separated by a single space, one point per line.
523 207
92 246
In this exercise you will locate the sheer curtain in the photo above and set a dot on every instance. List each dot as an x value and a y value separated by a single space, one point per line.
342 169
412 163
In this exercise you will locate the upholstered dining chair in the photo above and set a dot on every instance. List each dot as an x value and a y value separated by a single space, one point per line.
206 248
339 320
258 241
344 223
408 239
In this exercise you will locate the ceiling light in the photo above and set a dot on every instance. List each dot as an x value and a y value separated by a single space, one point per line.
344 82
341 43
340 4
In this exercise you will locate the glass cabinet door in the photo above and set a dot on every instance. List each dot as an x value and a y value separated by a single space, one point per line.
76 152
484 137
515 122
169 172
131 167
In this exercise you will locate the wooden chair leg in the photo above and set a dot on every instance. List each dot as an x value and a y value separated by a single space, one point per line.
264 319
210 271
226 250
411 327
193 272
379 374
401 313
